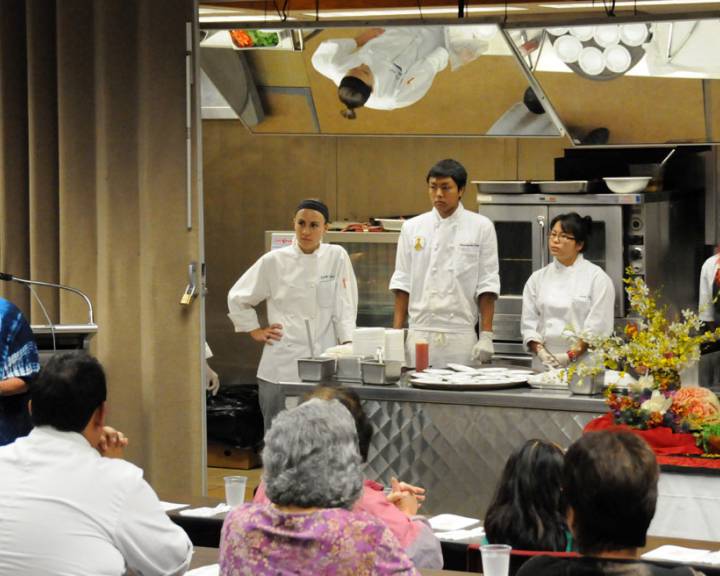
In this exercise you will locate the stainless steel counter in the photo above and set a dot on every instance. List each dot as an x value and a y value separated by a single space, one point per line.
455 444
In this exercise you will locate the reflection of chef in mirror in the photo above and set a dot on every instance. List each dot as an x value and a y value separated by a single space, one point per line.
709 304
446 274
308 280
383 69
569 293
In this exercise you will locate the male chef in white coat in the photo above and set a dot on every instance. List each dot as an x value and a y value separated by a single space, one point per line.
446 274
383 69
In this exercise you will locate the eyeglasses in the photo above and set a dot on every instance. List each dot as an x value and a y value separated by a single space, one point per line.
560 237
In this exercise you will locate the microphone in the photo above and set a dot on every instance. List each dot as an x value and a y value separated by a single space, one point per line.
4 276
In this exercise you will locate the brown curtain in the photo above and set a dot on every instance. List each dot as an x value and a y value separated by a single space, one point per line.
93 195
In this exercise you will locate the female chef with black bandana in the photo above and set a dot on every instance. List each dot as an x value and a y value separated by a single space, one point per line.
308 280
383 69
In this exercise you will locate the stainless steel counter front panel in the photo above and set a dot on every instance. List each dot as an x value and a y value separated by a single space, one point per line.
455 444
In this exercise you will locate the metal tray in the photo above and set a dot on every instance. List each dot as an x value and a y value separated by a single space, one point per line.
502 186
563 186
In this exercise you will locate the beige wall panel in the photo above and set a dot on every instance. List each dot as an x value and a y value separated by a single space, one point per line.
466 101
277 68
386 176
713 91
171 387
535 157
252 184
634 109
289 113
43 158
14 244
119 345
76 136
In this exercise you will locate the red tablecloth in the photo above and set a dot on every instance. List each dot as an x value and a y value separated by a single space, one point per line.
662 440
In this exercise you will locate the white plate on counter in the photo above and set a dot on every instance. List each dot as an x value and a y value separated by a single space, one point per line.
469 385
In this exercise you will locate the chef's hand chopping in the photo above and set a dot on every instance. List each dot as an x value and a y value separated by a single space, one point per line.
548 359
483 351
272 333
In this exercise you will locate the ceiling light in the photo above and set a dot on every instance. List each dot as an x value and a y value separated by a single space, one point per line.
410 11
630 3
260 18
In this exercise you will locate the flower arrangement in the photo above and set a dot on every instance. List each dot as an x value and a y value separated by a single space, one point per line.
655 348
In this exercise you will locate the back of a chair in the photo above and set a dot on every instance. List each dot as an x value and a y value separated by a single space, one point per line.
517 557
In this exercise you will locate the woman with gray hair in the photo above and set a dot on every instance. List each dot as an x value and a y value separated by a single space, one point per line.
312 477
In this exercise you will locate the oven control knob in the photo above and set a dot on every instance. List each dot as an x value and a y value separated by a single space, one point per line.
636 253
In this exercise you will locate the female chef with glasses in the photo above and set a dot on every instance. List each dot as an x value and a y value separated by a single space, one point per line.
308 280
570 293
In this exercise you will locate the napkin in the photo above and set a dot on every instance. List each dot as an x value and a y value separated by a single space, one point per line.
169 506
683 555
209 570
451 522
453 535
206 511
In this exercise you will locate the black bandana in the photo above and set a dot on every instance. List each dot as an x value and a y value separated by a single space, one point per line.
315 205
357 85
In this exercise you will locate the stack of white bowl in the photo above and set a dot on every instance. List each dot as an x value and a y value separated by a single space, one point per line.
366 341
394 345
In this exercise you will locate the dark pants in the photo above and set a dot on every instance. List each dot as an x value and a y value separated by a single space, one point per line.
14 418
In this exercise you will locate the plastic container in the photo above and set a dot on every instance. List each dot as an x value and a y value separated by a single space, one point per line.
348 368
373 372
315 369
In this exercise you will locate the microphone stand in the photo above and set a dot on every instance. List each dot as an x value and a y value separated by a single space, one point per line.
10 278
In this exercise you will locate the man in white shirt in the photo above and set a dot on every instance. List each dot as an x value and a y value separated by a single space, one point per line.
447 274
68 503
709 286
383 69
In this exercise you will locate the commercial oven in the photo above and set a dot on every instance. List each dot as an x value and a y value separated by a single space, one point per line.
652 233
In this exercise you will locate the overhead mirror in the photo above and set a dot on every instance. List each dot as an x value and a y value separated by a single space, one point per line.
632 83
394 80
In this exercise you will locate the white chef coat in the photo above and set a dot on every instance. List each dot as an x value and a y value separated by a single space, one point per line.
580 297
706 308
403 61
444 264
66 510
320 287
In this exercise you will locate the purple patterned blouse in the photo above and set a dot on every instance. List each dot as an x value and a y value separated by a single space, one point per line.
260 540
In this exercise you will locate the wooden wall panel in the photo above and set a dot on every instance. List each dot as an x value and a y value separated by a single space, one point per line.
634 109
386 176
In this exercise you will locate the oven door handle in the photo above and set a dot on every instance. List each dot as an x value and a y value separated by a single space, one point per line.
543 239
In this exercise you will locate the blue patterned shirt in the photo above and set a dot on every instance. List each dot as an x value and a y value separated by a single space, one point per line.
18 352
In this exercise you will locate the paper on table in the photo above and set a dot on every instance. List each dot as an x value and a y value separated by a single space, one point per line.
453 535
451 522
683 555
209 570
206 511
169 506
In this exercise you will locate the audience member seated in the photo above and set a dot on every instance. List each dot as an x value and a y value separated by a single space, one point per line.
528 511
610 484
398 510
68 503
312 474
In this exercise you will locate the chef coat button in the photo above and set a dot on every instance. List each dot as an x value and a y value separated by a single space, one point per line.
434 269
452 314
432 314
